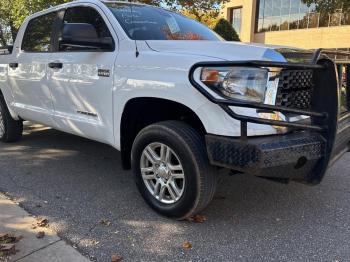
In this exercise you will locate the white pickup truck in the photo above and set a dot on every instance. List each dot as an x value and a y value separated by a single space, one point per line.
177 101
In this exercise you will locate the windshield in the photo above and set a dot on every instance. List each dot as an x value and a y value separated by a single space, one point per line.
142 22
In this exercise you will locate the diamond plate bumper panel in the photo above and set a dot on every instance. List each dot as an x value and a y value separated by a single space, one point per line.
290 156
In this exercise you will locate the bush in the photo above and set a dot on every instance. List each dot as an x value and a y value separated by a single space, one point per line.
226 31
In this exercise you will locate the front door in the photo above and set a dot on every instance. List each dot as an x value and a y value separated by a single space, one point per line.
28 74
81 80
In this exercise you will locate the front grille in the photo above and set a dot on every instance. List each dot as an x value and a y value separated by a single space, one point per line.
295 89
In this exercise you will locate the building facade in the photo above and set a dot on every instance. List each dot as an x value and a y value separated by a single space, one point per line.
289 23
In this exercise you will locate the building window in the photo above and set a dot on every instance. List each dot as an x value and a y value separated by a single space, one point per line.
278 15
345 19
236 19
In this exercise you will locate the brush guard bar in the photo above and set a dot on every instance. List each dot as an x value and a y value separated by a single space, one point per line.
225 104
321 132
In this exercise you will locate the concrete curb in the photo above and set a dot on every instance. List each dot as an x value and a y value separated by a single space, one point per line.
14 219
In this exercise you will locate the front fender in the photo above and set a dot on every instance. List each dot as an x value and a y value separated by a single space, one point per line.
214 119
151 74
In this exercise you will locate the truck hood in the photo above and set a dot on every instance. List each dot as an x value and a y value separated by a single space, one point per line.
226 51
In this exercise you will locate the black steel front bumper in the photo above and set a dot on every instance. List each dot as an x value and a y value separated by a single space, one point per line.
307 151
294 156
288 156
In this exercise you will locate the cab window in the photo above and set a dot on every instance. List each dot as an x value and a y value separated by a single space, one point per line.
37 37
85 20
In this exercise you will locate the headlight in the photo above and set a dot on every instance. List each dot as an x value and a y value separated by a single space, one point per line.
242 83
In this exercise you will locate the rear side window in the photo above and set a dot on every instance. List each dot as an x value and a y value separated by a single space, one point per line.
85 15
37 37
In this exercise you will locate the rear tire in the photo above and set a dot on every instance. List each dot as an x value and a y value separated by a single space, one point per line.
178 162
10 130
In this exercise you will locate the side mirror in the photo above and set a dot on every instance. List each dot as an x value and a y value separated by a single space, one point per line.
84 36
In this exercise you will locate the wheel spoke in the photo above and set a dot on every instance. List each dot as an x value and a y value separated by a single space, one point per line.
2 126
178 176
147 169
151 155
172 193
157 188
173 190
175 167
149 177
164 153
162 192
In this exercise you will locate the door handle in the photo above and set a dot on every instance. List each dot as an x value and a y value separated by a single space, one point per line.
56 65
13 65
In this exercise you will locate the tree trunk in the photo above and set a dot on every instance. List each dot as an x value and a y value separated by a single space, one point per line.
3 41
14 31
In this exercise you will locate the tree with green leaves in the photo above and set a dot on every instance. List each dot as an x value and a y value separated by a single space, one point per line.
201 10
226 31
208 20
13 13
329 6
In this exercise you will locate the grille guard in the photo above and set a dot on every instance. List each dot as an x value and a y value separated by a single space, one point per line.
324 113
226 103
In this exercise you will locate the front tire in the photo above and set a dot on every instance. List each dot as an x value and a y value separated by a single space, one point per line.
172 170
10 130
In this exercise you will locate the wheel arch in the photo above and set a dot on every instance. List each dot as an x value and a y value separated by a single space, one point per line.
140 112
5 98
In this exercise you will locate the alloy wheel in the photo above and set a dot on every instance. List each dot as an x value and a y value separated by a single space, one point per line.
2 125
162 173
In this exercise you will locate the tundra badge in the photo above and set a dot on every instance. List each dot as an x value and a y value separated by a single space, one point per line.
104 72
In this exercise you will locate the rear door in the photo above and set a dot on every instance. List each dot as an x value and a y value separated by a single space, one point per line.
82 83
28 74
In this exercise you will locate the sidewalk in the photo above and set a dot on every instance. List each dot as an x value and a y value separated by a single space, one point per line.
14 219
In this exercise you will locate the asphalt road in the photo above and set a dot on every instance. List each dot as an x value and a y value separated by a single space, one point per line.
76 183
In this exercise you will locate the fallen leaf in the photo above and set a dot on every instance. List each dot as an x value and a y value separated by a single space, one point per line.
42 222
8 249
187 245
9 238
116 258
40 234
105 222
3 236
197 219
95 242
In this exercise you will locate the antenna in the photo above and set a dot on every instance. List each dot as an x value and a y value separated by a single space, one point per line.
132 20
